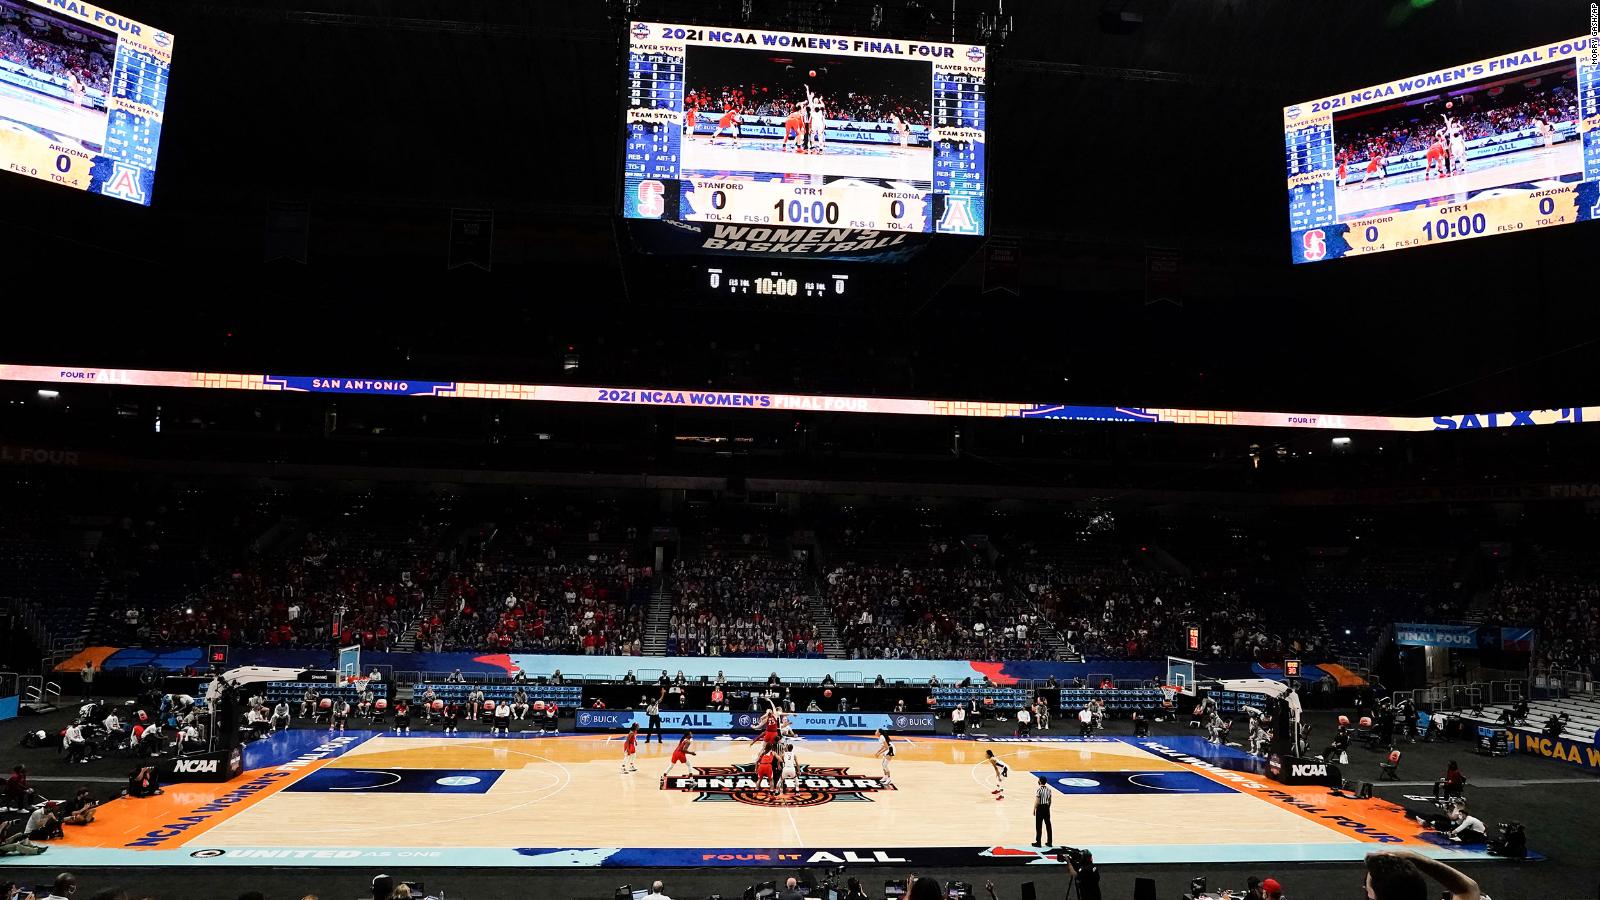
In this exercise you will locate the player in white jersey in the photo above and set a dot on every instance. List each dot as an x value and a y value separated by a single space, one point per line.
791 769
819 123
901 129
1457 142
77 89
1001 770
1546 131
885 753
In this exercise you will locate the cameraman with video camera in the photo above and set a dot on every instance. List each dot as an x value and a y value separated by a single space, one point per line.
1081 864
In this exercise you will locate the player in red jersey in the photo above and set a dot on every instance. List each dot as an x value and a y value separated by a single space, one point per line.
764 769
729 121
1436 157
794 126
630 746
681 754
691 103
1344 167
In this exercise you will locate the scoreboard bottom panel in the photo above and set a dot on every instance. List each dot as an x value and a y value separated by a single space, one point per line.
839 204
1500 211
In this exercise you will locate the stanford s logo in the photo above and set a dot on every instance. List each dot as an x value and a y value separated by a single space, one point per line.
1315 243
815 785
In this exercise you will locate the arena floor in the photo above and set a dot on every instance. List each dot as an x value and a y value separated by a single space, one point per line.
1553 799
562 801
1362 198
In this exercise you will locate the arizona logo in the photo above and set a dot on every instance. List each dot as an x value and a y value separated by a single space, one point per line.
814 785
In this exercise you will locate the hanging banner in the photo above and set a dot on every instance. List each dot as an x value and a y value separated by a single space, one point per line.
471 238
1462 637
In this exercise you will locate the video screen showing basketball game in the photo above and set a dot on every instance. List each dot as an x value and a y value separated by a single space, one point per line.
810 131
82 94
1493 147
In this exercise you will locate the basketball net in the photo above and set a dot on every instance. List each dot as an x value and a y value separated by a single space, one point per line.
358 682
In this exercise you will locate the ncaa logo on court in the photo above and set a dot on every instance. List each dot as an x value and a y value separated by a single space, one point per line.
975 54
641 30
814 786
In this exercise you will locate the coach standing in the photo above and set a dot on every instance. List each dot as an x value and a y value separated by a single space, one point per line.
1041 815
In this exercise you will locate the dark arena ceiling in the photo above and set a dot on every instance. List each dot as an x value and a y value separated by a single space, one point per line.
1115 126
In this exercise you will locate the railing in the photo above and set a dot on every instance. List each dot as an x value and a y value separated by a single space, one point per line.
1557 682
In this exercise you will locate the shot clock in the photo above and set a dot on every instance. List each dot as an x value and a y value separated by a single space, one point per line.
792 132
1498 146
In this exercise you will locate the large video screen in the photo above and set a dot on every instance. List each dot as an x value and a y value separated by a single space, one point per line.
82 92
1492 147
779 134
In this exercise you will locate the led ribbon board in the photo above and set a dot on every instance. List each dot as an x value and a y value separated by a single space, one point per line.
667 397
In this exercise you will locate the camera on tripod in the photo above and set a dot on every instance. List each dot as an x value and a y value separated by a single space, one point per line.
1075 855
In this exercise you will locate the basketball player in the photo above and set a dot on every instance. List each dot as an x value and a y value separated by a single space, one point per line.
1001 771
768 738
884 753
819 122
76 87
794 125
901 128
764 769
341 712
791 774
1344 167
729 121
1376 166
1436 157
1544 129
280 717
681 754
690 104
402 717
1458 145
630 746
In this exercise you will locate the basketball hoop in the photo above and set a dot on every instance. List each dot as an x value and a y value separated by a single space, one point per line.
359 683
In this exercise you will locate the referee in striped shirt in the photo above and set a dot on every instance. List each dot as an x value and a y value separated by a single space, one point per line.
1041 815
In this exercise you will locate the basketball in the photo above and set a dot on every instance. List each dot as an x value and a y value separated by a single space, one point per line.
813 73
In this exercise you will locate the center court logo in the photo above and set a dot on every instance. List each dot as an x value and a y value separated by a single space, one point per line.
815 785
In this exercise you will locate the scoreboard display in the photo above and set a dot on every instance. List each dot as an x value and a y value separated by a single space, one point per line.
82 92
783 137
1498 146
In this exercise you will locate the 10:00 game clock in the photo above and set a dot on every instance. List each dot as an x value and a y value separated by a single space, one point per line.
787 133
